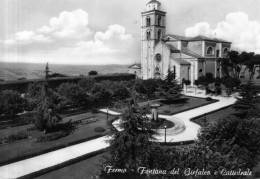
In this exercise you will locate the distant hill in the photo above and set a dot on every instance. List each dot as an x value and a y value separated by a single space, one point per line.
21 71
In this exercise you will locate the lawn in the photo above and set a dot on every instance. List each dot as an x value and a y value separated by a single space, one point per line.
214 117
86 129
187 103
86 169
172 108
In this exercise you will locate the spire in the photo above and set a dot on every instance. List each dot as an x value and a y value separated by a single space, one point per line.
47 70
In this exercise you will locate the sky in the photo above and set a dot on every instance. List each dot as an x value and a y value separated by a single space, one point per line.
101 32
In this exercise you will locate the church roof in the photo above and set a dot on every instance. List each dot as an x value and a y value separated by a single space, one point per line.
204 38
177 37
173 48
196 38
135 66
185 51
190 53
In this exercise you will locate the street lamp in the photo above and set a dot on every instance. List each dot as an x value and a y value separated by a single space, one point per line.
107 113
165 127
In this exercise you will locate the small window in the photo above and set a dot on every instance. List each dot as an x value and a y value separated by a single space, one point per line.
148 35
159 19
148 21
210 51
159 34
200 70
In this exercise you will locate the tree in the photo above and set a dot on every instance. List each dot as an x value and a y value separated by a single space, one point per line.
230 143
230 83
131 147
73 94
46 117
247 103
92 73
87 84
169 88
121 93
250 63
11 103
101 95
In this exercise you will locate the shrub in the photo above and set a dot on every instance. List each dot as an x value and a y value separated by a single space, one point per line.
92 73
11 103
87 83
73 94
52 136
14 137
209 99
100 129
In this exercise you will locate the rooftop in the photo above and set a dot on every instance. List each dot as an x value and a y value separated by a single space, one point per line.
135 66
184 51
196 38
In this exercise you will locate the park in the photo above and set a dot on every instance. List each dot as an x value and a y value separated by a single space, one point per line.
128 124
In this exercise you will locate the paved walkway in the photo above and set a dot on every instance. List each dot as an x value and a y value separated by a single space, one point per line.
31 165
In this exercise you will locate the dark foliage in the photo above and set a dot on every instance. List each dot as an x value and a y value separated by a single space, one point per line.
248 102
92 73
131 148
11 103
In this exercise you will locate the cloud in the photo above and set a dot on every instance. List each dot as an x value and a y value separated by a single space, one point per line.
237 28
69 39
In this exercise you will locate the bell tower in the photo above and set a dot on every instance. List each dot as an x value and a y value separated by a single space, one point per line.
152 30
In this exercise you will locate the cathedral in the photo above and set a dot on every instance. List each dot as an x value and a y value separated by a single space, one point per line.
187 57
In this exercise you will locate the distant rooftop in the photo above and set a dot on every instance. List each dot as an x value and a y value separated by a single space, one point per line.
135 66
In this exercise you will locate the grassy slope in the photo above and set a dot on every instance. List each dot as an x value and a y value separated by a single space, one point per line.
29 147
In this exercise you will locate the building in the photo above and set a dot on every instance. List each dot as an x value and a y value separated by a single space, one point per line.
135 69
187 57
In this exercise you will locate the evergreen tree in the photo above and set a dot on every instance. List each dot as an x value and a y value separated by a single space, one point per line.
246 106
169 89
46 117
131 147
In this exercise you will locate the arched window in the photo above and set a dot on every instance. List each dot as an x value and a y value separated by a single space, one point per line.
148 21
159 34
148 35
158 58
210 51
159 20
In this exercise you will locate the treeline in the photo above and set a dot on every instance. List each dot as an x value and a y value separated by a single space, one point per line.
86 94
237 63
54 82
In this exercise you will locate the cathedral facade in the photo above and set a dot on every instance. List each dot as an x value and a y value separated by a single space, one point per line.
187 57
